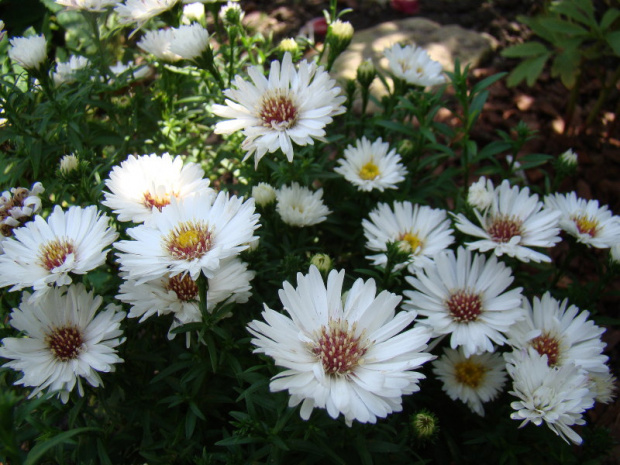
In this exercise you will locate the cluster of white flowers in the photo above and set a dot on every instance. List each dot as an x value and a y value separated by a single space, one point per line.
173 44
17 207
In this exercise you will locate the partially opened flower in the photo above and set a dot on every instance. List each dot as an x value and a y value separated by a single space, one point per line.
413 65
191 236
557 396
419 230
139 12
157 43
299 206
44 253
65 339
348 355
66 72
586 220
29 52
481 193
474 380
371 165
146 183
466 296
189 41
561 332
514 222
290 106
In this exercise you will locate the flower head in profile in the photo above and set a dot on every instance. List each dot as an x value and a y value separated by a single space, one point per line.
419 230
179 294
562 333
157 43
290 106
474 380
139 12
587 221
44 253
191 235
143 184
87 5
263 194
371 165
231 13
413 65
66 340
480 194
299 206
189 41
557 396
348 355
514 222
66 72
29 52
465 295
127 72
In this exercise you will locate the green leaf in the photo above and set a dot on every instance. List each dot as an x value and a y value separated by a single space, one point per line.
40 449
562 27
566 65
609 18
526 49
613 39
528 70
578 10
488 81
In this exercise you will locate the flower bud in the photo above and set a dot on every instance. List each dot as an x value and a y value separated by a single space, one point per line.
68 163
425 425
263 194
569 158
322 262
366 73
288 45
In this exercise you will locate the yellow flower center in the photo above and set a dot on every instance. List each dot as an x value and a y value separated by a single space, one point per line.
469 373
586 225
54 253
369 171
409 242
156 201
189 241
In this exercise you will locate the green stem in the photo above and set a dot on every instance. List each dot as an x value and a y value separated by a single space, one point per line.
602 97
203 288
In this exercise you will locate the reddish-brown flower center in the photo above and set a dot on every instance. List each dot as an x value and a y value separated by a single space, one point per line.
156 201
503 228
469 373
545 344
278 111
189 241
586 225
54 253
339 350
184 287
464 306
65 343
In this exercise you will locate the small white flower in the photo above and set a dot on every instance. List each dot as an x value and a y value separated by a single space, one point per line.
43 253
146 183
556 395
371 165
299 206
465 295
190 235
129 70
17 207
585 220
291 106
179 294
481 194
87 5
193 12
564 335
418 229
569 158
140 11
189 42
65 340
414 65
603 386
66 72
473 380
346 355
68 163
231 13
263 194
29 52
157 43
513 223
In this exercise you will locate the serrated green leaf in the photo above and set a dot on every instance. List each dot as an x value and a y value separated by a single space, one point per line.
566 65
578 10
613 39
528 70
526 49
561 26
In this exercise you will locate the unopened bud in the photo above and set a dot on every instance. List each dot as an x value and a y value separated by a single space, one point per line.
288 45
425 425
322 262
569 158
366 73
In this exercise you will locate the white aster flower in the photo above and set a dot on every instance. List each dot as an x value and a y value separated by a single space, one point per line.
290 106
141 185
347 355
513 223
179 294
43 253
569 158
419 230
603 386
564 335
263 194
87 5
129 71
193 12
140 11
481 194
190 235
66 339
414 65
17 207
299 206
66 72
465 295
556 395
157 43
68 163
589 223
473 380
371 165
29 52
231 13
189 42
